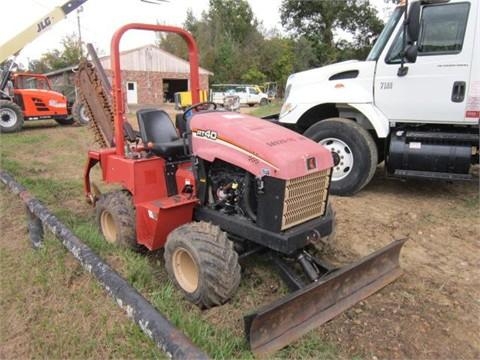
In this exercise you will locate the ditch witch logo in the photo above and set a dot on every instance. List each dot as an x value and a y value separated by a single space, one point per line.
311 163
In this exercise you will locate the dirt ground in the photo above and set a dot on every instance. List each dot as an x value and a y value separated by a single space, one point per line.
433 310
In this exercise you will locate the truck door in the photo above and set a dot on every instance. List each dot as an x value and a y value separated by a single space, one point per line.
436 85
253 95
242 93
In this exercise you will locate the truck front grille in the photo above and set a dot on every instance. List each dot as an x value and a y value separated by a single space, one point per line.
305 198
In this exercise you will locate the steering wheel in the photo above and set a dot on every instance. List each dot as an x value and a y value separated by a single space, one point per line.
202 106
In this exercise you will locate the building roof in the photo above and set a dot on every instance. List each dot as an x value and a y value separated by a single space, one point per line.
61 71
151 58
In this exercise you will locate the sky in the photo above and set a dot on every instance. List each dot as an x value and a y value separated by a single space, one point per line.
100 18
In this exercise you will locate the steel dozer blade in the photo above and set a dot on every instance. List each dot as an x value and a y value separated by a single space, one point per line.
278 324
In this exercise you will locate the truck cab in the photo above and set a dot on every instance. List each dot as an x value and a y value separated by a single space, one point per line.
34 94
28 96
413 103
28 102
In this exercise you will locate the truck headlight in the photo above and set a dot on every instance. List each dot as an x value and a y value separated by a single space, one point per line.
286 108
287 91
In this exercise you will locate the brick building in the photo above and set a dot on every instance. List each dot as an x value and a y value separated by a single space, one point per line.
151 75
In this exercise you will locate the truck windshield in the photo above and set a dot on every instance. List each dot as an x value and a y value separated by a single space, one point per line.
32 82
385 34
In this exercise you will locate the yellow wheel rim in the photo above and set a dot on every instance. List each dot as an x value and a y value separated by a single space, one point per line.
109 229
185 270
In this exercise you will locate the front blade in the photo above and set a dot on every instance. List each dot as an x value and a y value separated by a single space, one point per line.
278 324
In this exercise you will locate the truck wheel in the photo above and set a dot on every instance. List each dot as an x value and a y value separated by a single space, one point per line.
11 117
116 219
263 102
79 113
354 153
65 120
201 261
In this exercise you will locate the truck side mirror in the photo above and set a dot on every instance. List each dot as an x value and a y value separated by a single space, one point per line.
411 31
411 53
413 28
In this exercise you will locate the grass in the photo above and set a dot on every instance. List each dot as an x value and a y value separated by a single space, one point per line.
67 313
311 347
472 202
51 308
465 206
270 109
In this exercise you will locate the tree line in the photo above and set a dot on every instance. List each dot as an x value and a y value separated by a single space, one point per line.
235 46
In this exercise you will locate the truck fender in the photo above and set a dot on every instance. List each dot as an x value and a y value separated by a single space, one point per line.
366 115
375 117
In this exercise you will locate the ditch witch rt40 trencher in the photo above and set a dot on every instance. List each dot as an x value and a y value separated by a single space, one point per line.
218 188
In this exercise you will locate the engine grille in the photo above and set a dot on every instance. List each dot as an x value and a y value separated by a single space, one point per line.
40 104
305 198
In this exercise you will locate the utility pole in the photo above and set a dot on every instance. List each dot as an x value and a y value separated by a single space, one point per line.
79 10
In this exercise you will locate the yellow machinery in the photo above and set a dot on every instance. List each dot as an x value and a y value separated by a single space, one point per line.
183 99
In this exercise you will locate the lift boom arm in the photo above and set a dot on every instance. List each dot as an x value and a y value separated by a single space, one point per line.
17 43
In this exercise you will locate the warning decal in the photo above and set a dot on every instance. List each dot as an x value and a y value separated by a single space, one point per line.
473 101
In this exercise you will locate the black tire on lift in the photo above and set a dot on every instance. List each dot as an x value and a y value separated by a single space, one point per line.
355 153
116 219
79 114
11 117
65 120
202 262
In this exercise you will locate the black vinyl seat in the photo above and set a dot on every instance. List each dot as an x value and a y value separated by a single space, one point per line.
158 131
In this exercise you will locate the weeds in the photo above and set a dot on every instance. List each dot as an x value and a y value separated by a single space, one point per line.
52 309
270 109
472 202
311 347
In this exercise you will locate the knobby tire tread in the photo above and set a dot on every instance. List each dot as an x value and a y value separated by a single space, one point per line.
218 262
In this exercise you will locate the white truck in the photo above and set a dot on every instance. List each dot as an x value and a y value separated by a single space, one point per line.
250 95
413 103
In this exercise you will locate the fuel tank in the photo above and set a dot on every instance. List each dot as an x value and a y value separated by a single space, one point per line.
256 145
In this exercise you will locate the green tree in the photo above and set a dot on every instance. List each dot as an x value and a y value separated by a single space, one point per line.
253 76
69 55
232 45
227 38
277 59
174 44
305 54
232 19
320 21
38 66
